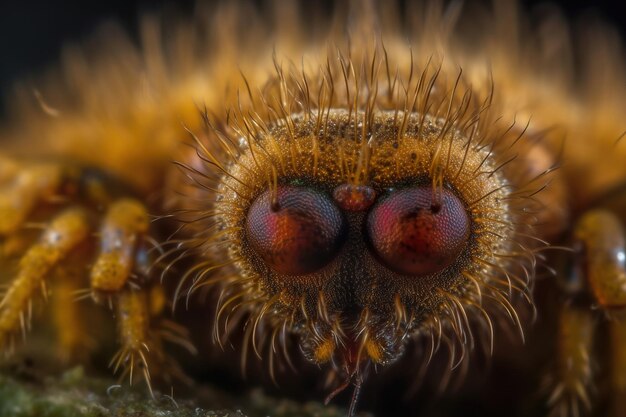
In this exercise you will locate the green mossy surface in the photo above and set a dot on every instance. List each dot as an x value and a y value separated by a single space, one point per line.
73 394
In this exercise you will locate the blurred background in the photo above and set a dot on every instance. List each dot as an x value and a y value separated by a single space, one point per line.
33 32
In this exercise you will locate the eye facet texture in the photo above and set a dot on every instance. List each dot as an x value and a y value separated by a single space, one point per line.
417 232
295 230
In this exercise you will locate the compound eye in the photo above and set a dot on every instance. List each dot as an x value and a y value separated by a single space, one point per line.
295 230
414 234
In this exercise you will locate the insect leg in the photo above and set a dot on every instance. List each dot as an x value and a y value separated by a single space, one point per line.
62 235
600 281
124 226
139 348
122 231
74 344
601 235
572 375
120 275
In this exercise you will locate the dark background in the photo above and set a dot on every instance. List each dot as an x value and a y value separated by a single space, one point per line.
32 32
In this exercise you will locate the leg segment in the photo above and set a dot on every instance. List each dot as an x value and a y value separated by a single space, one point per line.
74 344
121 235
602 237
573 372
599 281
139 347
125 224
64 233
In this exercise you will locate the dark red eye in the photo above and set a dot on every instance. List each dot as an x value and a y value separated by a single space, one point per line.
415 235
297 233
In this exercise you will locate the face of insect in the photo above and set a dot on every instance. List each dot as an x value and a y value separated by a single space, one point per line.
358 230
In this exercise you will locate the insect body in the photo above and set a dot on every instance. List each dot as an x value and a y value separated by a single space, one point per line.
364 197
